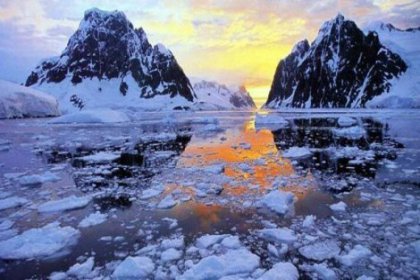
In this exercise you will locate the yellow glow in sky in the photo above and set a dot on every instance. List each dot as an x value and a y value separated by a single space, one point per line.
230 42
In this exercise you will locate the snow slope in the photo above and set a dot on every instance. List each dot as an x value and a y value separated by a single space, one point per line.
214 96
405 90
20 102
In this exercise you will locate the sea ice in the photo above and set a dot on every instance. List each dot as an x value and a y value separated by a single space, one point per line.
353 132
278 201
171 254
100 157
344 121
278 235
281 271
339 206
93 116
296 152
12 202
39 242
320 251
234 262
356 254
67 203
208 240
167 202
93 219
134 268
38 179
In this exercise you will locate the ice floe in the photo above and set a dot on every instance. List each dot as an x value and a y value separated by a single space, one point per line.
278 201
12 202
134 268
93 219
39 242
67 203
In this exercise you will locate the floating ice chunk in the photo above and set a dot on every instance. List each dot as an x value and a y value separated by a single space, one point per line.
345 121
171 254
308 221
216 267
39 242
173 223
93 220
6 224
208 240
12 202
93 116
167 202
134 268
281 271
100 157
270 120
38 179
340 206
82 270
278 235
177 243
296 152
278 201
231 242
149 193
354 132
323 271
356 254
320 251
67 203
215 168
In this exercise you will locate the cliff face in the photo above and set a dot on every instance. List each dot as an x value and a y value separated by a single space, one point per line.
342 68
107 47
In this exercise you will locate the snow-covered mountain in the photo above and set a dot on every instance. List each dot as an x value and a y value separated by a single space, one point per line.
342 68
405 91
109 63
215 96
17 101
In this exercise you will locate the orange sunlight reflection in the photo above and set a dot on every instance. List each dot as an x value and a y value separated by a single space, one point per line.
251 160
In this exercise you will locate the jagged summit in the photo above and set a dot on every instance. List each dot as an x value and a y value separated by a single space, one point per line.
342 67
107 54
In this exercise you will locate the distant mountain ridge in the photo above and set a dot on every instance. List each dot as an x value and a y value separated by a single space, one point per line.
215 96
107 59
342 68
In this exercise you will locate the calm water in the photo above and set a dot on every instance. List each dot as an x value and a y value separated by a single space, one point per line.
180 155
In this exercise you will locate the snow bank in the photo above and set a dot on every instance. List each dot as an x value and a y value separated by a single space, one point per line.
93 116
296 152
21 102
39 242
134 268
67 203
234 262
278 201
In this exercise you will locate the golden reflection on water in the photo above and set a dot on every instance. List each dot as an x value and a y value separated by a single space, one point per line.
251 160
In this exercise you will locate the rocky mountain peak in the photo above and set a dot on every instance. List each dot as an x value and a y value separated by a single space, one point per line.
106 46
342 67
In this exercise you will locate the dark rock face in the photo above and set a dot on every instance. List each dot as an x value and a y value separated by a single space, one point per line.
106 46
342 68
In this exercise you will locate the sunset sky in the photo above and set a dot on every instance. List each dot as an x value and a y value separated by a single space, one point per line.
232 42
